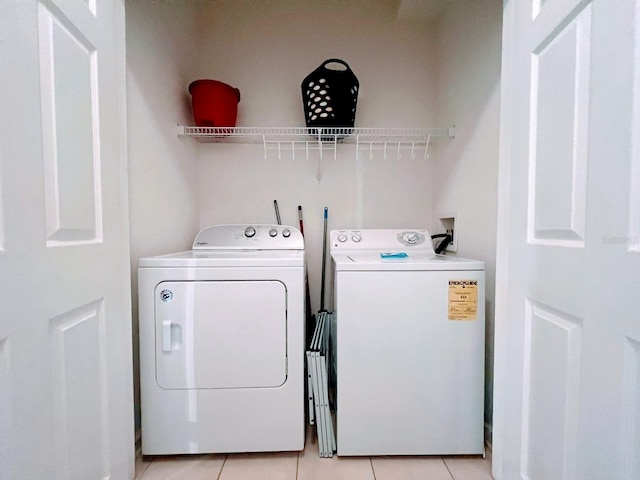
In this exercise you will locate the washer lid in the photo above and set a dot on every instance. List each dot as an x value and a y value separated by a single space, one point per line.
416 261
226 258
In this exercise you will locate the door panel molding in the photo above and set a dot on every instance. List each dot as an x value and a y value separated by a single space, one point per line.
77 15
558 135
553 17
79 397
71 150
551 385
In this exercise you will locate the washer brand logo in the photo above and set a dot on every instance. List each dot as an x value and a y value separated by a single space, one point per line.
166 295
201 243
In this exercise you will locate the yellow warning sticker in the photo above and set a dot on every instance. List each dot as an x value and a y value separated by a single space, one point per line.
463 299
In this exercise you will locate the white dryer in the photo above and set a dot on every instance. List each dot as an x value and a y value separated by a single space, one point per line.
409 346
222 343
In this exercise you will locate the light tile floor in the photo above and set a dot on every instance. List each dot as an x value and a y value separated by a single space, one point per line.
307 465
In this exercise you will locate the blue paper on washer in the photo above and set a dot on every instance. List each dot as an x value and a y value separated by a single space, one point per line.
394 255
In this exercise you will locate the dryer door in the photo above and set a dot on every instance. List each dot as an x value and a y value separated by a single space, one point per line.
220 334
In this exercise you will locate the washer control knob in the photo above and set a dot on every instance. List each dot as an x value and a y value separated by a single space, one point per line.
273 232
411 238
286 233
356 237
249 232
342 238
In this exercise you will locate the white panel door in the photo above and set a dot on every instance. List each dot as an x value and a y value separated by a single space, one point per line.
567 394
66 404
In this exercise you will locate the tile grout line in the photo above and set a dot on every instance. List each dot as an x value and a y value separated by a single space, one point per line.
144 472
222 467
373 471
447 467
297 464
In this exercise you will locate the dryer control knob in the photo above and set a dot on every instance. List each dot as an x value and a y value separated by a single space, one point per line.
286 233
273 232
342 238
356 237
249 232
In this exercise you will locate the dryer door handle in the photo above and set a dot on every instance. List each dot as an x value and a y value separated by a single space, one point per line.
166 335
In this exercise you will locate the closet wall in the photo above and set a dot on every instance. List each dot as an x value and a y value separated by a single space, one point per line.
469 39
413 72
163 178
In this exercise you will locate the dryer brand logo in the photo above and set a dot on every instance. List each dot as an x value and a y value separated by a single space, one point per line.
166 295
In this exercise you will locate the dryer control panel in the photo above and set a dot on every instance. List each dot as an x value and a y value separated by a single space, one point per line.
249 237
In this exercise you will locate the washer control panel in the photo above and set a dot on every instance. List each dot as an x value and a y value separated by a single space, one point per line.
380 239
249 237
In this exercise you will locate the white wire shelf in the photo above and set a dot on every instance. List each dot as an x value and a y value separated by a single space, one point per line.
395 142
312 134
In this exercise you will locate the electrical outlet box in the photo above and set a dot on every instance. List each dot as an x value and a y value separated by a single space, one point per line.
448 225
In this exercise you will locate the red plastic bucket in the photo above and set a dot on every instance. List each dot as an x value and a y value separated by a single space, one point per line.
215 104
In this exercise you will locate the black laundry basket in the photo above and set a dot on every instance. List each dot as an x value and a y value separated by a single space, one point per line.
330 97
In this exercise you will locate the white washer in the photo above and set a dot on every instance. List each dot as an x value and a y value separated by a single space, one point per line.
222 343
409 346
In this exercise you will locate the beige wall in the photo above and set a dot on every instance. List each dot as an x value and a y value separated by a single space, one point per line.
266 50
466 170
163 197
